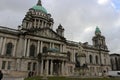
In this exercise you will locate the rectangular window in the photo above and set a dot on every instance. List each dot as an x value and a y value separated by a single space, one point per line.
34 66
3 64
29 65
9 65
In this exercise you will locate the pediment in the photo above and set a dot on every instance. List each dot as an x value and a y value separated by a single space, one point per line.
48 33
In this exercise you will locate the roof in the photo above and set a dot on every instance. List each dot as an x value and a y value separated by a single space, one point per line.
39 8
53 50
114 54
9 30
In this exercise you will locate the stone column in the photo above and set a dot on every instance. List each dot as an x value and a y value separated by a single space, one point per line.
74 56
38 23
63 68
59 67
38 69
50 45
14 50
38 47
64 48
61 48
1 42
25 44
42 24
3 47
66 69
28 47
41 47
41 71
45 24
53 45
51 70
30 25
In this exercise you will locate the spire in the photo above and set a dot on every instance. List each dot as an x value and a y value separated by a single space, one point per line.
39 3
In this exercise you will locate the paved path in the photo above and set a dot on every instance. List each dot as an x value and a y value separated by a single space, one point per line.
13 78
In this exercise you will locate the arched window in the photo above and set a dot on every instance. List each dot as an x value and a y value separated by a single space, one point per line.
32 51
96 59
69 55
91 59
9 48
45 49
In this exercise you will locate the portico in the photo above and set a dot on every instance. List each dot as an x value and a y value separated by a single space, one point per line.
53 65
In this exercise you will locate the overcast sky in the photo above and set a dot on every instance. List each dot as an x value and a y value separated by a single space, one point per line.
78 17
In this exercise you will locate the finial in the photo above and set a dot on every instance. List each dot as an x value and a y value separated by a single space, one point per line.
39 3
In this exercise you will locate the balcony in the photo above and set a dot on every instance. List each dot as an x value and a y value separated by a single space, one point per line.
56 54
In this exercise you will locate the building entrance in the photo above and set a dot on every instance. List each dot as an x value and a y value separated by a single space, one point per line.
57 67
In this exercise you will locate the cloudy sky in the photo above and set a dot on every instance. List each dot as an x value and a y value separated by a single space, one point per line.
78 17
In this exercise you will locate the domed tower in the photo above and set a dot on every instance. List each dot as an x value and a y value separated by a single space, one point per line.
60 30
99 40
37 18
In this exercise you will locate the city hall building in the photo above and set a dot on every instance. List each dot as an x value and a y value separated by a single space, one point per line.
36 47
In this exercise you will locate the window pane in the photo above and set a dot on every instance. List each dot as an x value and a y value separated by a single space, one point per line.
9 65
9 48
3 64
29 65
32 51
34 66
44 49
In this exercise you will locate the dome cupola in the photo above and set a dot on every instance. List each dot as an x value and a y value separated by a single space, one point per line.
97 31
39 7
37 18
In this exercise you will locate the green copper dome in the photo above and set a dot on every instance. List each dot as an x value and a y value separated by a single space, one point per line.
39 8
97 30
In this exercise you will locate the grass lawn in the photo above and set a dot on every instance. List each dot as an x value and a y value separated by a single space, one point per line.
63 78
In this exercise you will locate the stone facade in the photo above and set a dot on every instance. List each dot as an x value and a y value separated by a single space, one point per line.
36 47
115 61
